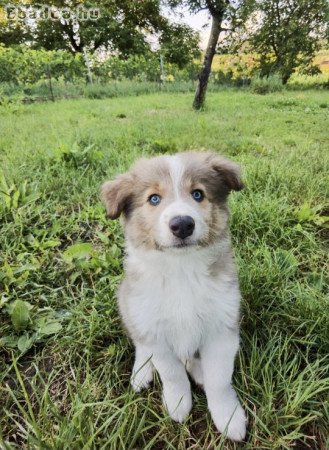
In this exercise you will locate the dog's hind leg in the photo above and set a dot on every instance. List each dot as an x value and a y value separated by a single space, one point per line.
143 368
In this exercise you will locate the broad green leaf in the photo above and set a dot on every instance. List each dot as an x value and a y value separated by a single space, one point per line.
9 341
74 276
103 237
15 199
321 220
50 328
304 212
51 243
77 251
20 315
24 343
21 280
8 270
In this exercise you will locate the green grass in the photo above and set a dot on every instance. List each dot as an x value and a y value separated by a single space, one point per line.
68 385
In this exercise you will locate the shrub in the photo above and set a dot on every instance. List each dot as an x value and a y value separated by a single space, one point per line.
25 65
265 85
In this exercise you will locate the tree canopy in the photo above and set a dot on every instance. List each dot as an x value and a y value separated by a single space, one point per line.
287 33
122 27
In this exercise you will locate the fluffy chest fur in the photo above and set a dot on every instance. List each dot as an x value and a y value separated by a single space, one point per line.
174 299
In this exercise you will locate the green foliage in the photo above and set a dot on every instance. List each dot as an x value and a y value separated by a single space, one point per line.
19 314
288 34
262 85
25 65
144 68
140 68
81 154
298 82
118 26
316 214
13 197
180 45
78 251
29 68
30 325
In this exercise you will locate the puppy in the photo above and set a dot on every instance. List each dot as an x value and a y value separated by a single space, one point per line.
180 296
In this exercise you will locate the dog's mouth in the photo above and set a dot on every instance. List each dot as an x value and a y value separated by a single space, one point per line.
182 244
178 244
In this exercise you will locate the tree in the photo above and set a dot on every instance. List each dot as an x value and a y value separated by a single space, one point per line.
287 34
179 44
12 32
220 11
119 26
217 10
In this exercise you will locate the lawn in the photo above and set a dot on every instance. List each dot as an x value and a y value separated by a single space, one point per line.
65 361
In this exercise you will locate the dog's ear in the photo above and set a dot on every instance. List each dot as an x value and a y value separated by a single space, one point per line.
228 172
117 195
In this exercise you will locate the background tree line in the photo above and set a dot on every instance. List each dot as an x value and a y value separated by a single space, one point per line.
283 34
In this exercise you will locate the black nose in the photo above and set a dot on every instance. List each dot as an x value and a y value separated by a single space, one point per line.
182 226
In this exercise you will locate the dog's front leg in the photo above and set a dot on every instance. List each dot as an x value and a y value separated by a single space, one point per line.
175 383
143 368
217 360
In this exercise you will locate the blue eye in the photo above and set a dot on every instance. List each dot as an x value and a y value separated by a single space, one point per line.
154 199
197 195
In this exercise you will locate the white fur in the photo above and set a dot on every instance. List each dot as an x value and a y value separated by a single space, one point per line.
179 206
176 308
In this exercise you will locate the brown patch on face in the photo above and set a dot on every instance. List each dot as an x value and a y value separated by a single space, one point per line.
152 176
219 175
127 191
216 177
129 194
117 195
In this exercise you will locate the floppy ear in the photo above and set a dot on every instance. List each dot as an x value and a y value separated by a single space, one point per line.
228 172
117 195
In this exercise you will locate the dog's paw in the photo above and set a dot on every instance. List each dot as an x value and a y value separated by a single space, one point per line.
230 419
177 402
141 377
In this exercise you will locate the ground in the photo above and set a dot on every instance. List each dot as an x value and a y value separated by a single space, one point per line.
65 359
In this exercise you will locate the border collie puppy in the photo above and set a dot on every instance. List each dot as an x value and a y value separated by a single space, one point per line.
180 296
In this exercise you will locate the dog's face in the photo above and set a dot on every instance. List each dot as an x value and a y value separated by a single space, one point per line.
173 202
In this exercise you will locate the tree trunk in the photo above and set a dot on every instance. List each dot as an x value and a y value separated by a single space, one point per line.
203 77
285 77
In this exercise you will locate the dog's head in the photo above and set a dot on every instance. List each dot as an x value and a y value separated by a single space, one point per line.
171 202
